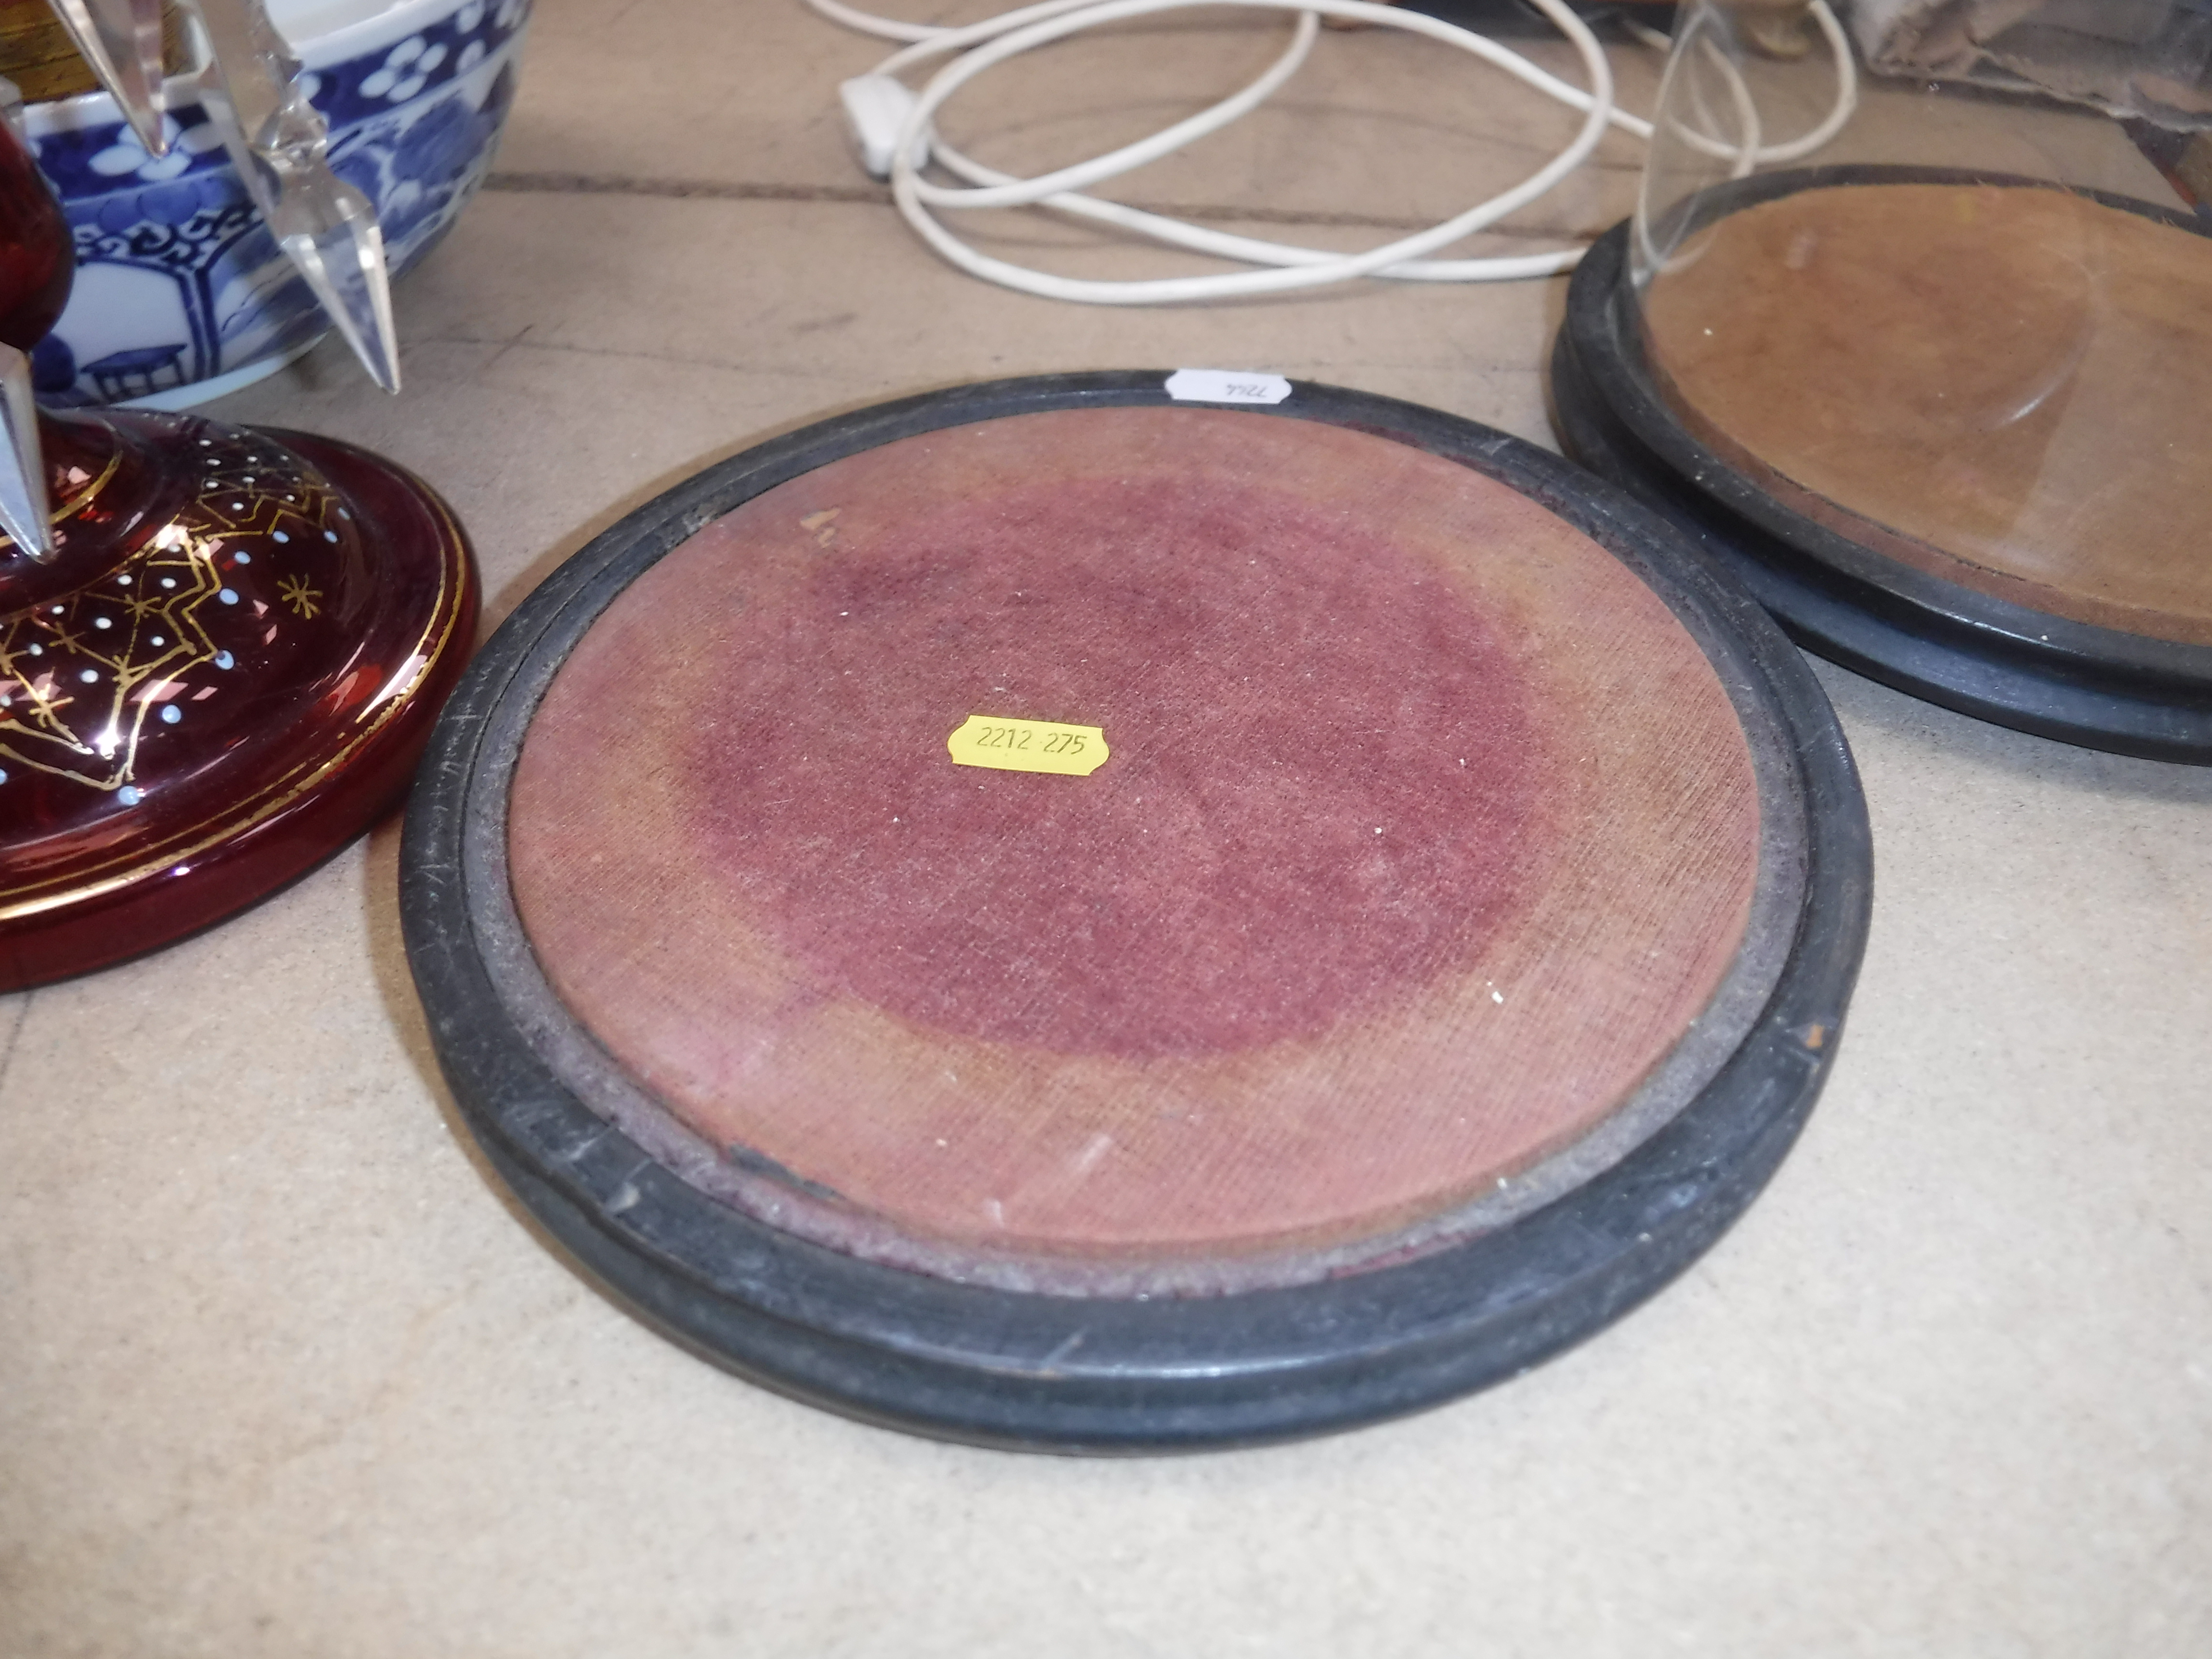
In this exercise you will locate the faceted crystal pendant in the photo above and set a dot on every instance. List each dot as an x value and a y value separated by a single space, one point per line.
22 496
121 40
251 85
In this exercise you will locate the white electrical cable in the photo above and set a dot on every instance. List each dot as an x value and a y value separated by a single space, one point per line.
995 39
884 29
1307 273
1022 192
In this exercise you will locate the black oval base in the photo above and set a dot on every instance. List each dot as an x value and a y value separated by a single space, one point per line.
1098 1374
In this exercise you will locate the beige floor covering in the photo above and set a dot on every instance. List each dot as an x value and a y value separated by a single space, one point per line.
281 1375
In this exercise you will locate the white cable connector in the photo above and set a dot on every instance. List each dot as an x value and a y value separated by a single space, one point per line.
876 110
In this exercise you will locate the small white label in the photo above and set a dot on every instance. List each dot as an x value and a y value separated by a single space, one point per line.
1226 385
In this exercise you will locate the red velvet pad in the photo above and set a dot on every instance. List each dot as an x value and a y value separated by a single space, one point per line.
1427 832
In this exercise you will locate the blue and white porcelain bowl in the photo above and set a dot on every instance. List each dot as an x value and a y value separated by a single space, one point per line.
181 292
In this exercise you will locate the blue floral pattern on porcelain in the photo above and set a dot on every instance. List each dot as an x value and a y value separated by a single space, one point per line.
178 280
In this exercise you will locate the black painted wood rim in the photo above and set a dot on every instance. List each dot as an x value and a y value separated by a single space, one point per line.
2009 664
1096 1374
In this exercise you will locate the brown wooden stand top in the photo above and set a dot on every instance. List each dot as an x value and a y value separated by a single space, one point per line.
2004 386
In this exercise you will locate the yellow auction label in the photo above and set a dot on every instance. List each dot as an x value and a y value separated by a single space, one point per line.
1028 746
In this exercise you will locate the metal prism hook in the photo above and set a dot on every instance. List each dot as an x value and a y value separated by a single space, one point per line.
251 86
121 40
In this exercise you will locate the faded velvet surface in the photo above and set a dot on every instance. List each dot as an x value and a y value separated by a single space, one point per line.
1427 831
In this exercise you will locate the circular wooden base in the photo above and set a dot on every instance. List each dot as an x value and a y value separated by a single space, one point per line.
241 695
1452 942
1958 454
